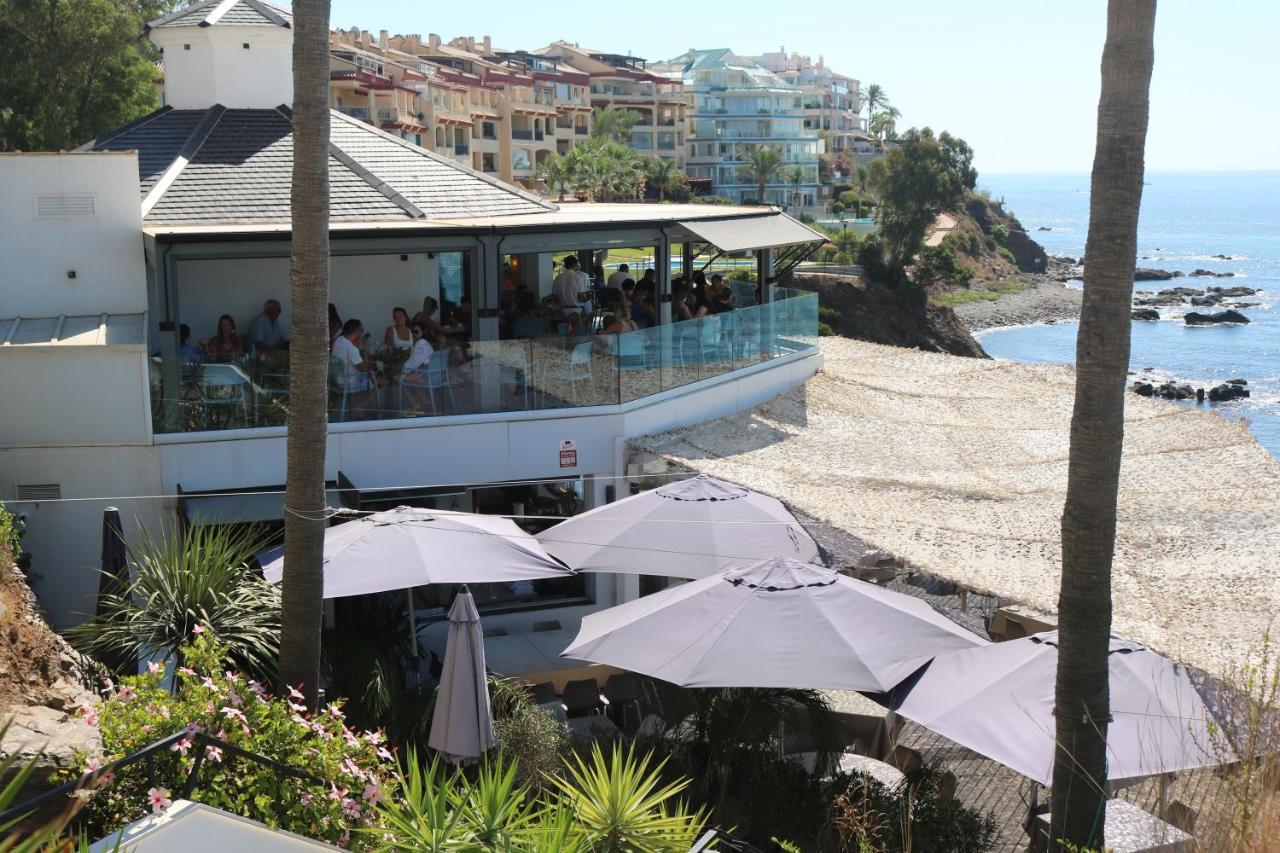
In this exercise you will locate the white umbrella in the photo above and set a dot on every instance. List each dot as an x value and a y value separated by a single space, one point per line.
777 623
690 529
998 701
462 723
407 547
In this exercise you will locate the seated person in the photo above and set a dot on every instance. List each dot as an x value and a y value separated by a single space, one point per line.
335 324
644 310
398 335
648 283
268 332
352 366
188 351
439 335
420 355
226 344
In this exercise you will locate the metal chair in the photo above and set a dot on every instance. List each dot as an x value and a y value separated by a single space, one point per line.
582 698
542 693
223 385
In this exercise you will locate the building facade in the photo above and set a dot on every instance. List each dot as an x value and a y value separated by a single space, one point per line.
737 105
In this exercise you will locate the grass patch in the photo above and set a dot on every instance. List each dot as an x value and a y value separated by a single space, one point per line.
963 297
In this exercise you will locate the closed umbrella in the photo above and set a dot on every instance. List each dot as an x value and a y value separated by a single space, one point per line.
407 547
690 529
114 581
777 623
998 701
462 723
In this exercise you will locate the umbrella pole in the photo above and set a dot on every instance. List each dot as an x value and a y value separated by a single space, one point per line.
413 623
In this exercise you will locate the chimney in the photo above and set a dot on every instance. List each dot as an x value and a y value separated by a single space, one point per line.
488 46
433 40
382 39
249 68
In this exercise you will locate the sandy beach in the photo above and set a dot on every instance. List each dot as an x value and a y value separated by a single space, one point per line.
958 466
1044 300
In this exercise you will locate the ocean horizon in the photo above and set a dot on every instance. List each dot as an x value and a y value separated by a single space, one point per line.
1188 220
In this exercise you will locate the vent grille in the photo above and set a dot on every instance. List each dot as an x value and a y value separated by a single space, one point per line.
40 492
50 206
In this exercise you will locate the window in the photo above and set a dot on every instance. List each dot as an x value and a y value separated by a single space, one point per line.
520 159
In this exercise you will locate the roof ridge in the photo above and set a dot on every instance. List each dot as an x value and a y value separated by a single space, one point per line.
115 133
219 10
185 154
180 13
271 13
448 161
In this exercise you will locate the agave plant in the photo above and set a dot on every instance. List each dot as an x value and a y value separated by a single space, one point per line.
181 583
422 814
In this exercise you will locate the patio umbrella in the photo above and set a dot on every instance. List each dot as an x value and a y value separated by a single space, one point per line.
114 580
407 547
998 701
690 529
462 723
777 623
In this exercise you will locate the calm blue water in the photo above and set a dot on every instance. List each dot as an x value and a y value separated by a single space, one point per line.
1186 219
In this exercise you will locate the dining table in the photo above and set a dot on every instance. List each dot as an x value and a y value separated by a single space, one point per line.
1133 830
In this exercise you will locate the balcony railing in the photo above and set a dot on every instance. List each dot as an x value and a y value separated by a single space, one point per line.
543 372
581 131
462 149
521 134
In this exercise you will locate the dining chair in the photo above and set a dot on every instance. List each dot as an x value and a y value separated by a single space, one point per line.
223 385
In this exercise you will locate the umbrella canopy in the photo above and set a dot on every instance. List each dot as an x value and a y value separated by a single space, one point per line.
406 547
462 723
114 579
690 529
777 623
998 701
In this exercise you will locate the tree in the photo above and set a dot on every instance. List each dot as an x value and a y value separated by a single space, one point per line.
874 100
614 124
557 171
884 125
663 176
308 353
795 176
1082 698
920 178
603 169
73 69
763 163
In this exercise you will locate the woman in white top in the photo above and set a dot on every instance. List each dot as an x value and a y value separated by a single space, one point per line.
420 355
398 334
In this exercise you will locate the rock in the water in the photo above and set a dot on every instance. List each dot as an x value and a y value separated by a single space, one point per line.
1198 273
1227 391
1148 274
1044 228
1223 257
1230 292
1195 318
1146 314
1180 291
1143 389
1211 299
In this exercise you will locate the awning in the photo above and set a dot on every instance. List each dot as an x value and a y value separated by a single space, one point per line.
763 232
249 505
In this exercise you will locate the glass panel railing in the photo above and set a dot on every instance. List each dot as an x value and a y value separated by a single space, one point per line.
548 371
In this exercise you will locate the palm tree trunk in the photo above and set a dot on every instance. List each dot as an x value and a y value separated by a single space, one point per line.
303 596
1082 701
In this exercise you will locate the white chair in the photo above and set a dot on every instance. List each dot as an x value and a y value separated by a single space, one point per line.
347 382
432 377
578 369
517 365
223 385
630 349
709 338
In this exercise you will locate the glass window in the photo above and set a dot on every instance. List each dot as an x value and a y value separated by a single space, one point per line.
520 159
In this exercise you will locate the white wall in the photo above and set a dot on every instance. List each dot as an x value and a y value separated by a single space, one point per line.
366 287
103 248
65 539
204 66
74 396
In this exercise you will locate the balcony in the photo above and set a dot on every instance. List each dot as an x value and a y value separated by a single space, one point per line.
546 372
461 149
581 130
521 134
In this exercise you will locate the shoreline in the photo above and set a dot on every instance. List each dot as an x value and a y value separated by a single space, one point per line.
1042 300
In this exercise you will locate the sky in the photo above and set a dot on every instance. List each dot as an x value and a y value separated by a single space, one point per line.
1018 79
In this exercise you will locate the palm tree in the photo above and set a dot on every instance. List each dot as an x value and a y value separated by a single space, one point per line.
884 125
795 177
557 171
763 162
874 100
180 581
663 176
614 124
308 353
1082 699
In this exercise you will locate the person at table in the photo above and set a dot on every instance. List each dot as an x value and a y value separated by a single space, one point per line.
615 280
644 310
353 366
226 344
720 295
571 287
416 366
267 332
439 334
335 325
187 351
648 282
398 334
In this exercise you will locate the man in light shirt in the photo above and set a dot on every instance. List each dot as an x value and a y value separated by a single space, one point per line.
268 332
353 368
615 281
571 287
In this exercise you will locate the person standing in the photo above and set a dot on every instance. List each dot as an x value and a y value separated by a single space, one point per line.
616 279
571 287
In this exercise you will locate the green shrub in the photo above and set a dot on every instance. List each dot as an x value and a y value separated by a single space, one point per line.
209 698
1000 232
966 241
11 530
530 737
828 321
1007 255
939 264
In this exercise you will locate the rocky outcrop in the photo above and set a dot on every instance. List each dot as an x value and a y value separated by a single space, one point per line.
874 312
1195 318
1027 253
1149 386
1147 274
1198 273
1232 292
1231 390
1146 314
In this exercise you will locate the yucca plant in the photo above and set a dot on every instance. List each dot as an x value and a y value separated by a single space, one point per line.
422 815
621 804
495 808
182 583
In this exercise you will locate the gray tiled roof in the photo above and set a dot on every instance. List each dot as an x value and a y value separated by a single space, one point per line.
234 13
240 171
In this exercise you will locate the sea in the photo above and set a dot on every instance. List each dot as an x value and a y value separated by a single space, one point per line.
1187 220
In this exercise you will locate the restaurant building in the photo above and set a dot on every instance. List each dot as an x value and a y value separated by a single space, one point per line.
183 216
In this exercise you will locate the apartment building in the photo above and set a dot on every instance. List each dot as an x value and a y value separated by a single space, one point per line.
624 82
736 105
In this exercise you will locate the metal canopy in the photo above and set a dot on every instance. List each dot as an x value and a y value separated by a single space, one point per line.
740 235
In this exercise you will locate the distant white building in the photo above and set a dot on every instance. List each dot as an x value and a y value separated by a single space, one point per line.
183 216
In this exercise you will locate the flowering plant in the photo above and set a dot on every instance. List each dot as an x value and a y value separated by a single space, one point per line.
208 698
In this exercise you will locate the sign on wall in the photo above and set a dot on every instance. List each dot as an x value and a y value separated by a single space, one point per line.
568 454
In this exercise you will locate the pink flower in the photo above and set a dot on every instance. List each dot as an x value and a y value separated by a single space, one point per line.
198 630
94 765
181 746
164 711
90 714
305 800
233 714
159 799
351 768
296 708
215 754
336 793
187 671
127 694
108 685
344 839
350 737
208 707
294 693
146 728
334 709
372 793
154 668
301 720
350 807
384 754
234 698
208 683
257 688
